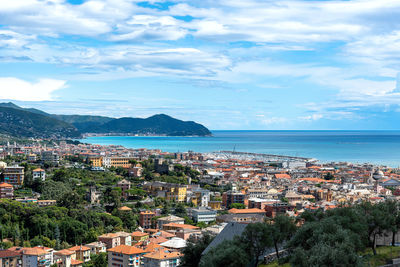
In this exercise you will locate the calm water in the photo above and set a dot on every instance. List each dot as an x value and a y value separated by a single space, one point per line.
379 147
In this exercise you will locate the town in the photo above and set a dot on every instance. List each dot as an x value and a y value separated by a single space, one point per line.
66 203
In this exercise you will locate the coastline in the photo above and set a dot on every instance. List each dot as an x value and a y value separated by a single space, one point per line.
86 135
358 147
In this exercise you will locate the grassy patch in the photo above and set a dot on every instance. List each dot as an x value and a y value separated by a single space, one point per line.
383 255
274 264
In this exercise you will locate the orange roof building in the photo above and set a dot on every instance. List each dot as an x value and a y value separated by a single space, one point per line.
282 176
178 226
246 211
124 208
139 236
162 257
6 190
125 249
124 255
82 253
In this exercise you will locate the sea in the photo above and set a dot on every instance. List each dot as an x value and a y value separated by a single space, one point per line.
376 147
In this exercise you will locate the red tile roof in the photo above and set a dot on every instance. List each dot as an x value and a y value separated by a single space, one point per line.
245 211
162 254
125 249
76 262
182 226
8 253
5 185
78 248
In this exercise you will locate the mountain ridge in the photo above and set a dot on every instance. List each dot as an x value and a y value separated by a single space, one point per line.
158 124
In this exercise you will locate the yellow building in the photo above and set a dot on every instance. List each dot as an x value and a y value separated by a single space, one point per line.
139 236
96 161
195 201
171 192
177 193
120 162
215 205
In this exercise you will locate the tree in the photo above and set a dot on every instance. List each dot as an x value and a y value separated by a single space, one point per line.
70 200
53 190
201 225
97 260
192 251
128 218
180 210
324 243
256 238
57 237
237 206
227 254
393 218
166 209
329 176
112 196
281 230
377 223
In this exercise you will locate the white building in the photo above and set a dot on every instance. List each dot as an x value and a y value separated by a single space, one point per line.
107 162
97 247
39 174
124 255
162 258
35 257
203 215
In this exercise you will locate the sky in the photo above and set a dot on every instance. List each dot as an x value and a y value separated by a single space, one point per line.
228 64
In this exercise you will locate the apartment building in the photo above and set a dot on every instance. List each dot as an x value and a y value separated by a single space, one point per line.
162 258
145 219
231 197
66 258
203 215
97 247
123 255
6 191
96 161
82 253
35 257
39 174
125 186
10 258
111 240
50 156
116 162
169 219
14 175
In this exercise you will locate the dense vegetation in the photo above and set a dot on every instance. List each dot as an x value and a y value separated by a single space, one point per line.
75 220
28 122
30 225
157 124
21 123
338 237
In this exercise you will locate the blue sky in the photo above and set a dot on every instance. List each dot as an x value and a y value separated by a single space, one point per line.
228 64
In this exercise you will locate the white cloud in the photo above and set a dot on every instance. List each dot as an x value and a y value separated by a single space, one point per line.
255 21
312 117
14 40
52 18
16 89
273 120
148 27
137 41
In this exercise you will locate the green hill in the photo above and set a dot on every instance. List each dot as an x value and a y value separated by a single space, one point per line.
30 122
21 123
160 124
84 123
